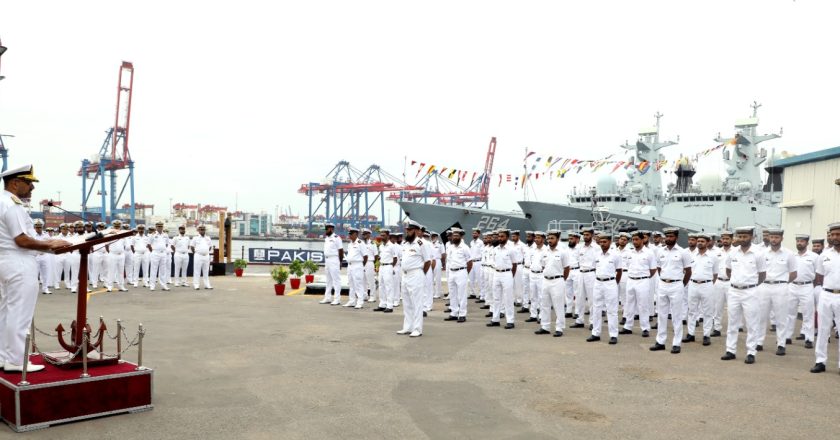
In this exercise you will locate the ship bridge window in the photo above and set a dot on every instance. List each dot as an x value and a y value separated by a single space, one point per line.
717 198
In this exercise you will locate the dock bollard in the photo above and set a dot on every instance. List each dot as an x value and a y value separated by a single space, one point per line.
140 334
23 381
85 338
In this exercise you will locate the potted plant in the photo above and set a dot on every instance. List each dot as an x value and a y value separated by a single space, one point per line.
296 269
239 266
310 267
280 275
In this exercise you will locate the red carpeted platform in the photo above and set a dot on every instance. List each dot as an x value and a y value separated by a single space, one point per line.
56 396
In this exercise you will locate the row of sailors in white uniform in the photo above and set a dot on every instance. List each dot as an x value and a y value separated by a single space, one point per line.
120 262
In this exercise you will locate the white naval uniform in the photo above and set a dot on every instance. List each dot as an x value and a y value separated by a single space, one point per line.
97 265
639 288
573 279
356 253
457 275
428 299
801 294
75 260
45 264
828 265
742 299
370 270
62 266
670 292
701 291
586 256
202 245
520 291
115 264
552 295
332 244
534 278
159 259
128 242
387 253
439 251
721 286
18 279
504 259
622 286
487 275
141 258
414 256
605 292
773 294
182 258
476 275
168 261
398 275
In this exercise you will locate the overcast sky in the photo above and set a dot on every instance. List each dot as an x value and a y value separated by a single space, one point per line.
256 98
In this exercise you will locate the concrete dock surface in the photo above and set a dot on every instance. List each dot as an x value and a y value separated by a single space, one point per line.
240 362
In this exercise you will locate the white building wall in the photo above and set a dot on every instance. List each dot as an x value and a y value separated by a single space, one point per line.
812 181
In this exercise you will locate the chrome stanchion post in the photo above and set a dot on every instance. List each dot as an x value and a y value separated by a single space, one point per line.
23 381
32 335
85 340
119 341
140 334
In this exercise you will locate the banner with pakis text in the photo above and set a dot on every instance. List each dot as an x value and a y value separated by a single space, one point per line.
283 256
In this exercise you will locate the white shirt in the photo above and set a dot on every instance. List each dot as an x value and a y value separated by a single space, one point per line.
14 221
574 262
806 266
554 261
117 247
535 256
140 243
372 250
625 255
458 256
332 244
356 251
779 264
721 255
641 262
705 266
745 266
520 248
672 262
607 263
476 248
487 256
159 242
182 244
828 265
414 255
387 252
505 256
437 250
128 242
586 255
201 244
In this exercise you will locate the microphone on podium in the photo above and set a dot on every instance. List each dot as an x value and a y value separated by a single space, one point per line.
93 236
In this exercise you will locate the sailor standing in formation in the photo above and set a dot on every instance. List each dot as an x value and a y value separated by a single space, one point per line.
674 274
388 251
334 256
459 266
476 254
357 255
416 262
554 262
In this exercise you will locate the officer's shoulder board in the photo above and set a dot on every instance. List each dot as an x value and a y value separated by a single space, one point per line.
420 242
16 200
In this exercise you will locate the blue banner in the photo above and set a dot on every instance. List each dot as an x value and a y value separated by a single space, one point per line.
283 256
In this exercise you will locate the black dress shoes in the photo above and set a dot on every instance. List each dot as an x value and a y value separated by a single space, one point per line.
624 331
809 344
657 347
613 340
728 356
675 349
645 333
750 359
569 315
593 338
558 333
509 326
462 319
489 314
493 324
819 367
542 331
485 307
780 351
531 319
715 333
576 325
388 311
688 338
707 340
759 348
450 318
379 309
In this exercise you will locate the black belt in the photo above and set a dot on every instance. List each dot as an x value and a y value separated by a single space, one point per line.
455 270
477 259
723 279
831 290
536 271
775 282
575 268
624 270
485 265
502 270
746 286
670 281
554 278
587 270
527 267
803 283
386 264
639 278
701 281
605 279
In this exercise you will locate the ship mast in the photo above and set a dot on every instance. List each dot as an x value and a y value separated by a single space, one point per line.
646 149
743 163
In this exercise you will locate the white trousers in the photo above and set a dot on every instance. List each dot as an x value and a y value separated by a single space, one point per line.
829 314
182 262
701 304
475 279
97 266
535 282
604 297
775 298
129 266
637 302
414 283
158 269
370 280
571 284
742 305
457 283
333 269
166 268
61 264
526 285
553 296
386 286
518 282
669 299
583 295
141 260
486 284
18 294
721 289
201 270
436 280
45 270
75 261
654 291
503 296
356 279
116 271
398 284
622 289
801 296
429 292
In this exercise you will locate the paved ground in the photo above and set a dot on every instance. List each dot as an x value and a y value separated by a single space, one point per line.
240 362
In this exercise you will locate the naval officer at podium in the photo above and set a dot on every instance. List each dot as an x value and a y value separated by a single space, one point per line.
18 268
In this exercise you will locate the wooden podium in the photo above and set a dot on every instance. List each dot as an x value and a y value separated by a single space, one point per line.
72 356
